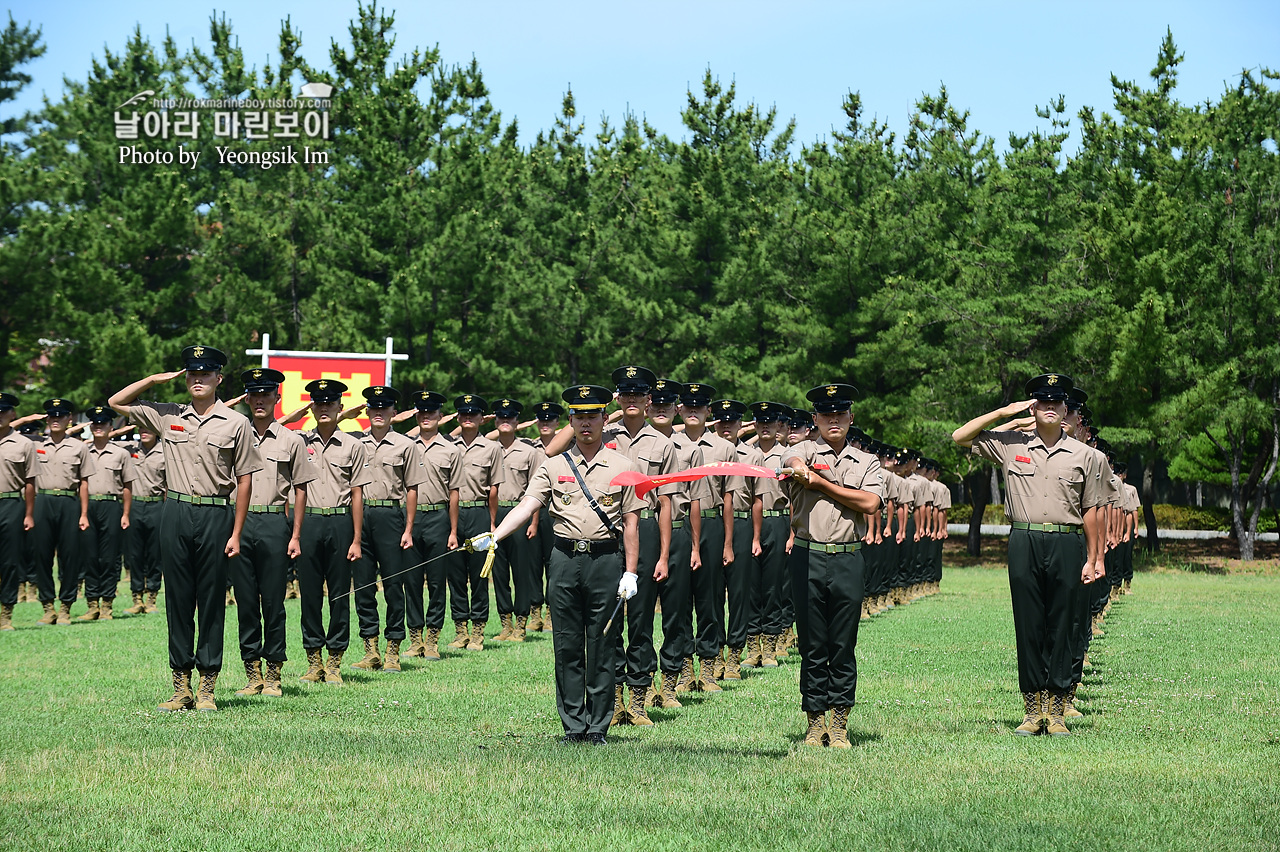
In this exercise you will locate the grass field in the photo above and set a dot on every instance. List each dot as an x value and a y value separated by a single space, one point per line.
1179 748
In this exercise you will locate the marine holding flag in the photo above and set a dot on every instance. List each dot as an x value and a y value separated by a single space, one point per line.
833 488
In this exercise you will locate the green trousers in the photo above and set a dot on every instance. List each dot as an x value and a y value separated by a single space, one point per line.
771 615
581 592
381 556
676 593
430 540
103 540
742 582
708 589
464 572
513 569
12 544
193 542
828 595
57 533
259 578
1050 609
325 542
142 546
636 662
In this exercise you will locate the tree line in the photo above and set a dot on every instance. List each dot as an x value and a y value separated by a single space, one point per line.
927 268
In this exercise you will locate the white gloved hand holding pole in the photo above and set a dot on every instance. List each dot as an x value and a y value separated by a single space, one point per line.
627 586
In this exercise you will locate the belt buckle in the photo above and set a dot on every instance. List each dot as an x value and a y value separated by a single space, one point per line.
581 546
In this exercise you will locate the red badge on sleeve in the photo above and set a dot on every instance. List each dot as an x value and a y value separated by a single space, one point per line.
822 467
177 427
1022 459
565 479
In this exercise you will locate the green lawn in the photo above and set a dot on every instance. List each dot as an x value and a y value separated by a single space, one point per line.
1179 749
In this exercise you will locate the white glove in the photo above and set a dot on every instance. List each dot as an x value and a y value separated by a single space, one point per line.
482 543
627 587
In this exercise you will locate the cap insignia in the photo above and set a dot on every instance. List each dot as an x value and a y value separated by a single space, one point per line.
584 392
198 352
324 383
631 372
1052 380
831 390
257 374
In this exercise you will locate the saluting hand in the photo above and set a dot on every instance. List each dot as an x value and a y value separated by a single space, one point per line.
1016 408
236 400
165 378
353 412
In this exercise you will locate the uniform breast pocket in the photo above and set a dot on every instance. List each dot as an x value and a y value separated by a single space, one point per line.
611 496
1072 482
176 436
224 446
280 461
652 466
1017 468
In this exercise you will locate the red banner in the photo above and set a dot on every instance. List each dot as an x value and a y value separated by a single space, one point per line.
357 374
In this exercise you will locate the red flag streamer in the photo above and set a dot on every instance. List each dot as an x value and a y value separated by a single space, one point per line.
645 484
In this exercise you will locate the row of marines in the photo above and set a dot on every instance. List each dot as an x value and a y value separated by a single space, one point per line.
387 511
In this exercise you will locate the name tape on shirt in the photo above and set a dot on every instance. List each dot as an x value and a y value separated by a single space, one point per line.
822 467
177 427
613 445
566 479
1022 459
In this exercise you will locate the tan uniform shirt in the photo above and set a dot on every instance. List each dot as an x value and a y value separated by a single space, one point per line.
522 459
148 470
650 451
555 486
339 464
64 464
906 492
921 489
481 469
442 464
1042 485
113 469
717 449
775 499
892 489
202 456
744 496
284 466
688 454
395 466
942 495
816 517
1132 502
19 461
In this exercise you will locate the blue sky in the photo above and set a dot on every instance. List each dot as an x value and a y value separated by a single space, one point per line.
998 60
